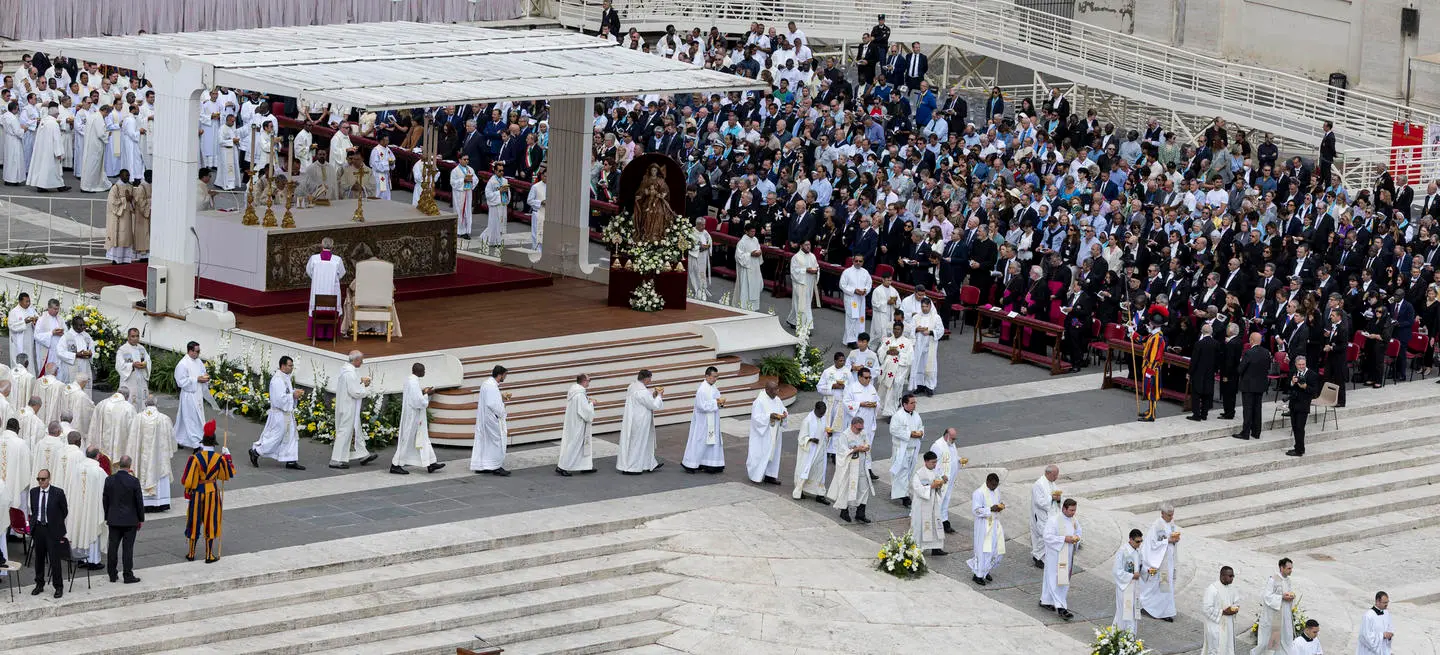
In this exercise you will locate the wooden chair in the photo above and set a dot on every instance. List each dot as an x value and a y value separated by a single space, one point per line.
1328 400
327 313
374 297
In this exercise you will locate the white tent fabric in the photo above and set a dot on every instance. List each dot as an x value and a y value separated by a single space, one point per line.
61 19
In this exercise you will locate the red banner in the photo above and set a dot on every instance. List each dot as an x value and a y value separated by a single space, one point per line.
1407 142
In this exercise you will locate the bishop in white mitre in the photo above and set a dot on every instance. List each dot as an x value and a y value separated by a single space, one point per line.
637 426
1044 503
1219 606
851 485
1277 606
1376 630
927 516
487 455
705 447
1125 571
414 447
21 322
748 282
147 445
194 384
926 329
110 423
280 439
84 492
855 285
882 301
907 434
1157 581
895 354
810 461
767 422
804 277
576 454
132 363
1062 535
987 534
325 270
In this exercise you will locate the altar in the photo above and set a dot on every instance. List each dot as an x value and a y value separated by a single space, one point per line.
273 259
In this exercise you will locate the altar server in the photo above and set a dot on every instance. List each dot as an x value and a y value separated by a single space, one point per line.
851 486
497 201
882 302
48 159
1277 631
705 447
132 363
462 195
748 281
351 390
227 170
1376 630
810 460
487 455
1125 572
1044 503
280 440
1308 641
950 463
926 513
861 402
325 270
535 202
855 285
576 455
907 432
637 426
767 422
804 276
382 162
1062 534
194 384
1157 581
21 322
895 353
1219 607
147 444
413 447
926 329
987 534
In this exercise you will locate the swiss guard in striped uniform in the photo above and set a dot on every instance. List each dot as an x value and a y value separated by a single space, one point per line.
203 471
1152 359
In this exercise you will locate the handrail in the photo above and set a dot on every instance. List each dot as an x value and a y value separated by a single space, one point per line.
46 224
1284 103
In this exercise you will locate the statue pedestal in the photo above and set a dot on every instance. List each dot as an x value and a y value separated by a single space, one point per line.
670 286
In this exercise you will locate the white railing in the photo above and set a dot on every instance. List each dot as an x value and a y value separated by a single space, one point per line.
1359 167
1288 105
53 225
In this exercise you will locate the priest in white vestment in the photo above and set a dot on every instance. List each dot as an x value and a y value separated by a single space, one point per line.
487 455
15 472
1157 581
92 166
132 363
120 221
210 121
925 328
1376 630
832 389
907 434
76 403
851 485
1062 534
748 282
1277 605
413 447
146 445
895 354
16 166
21 322
1125 571
637 426
767 423
812 443
351 390
1308 641
45 453
861 357
50 390
535 201
462 195
882 302
382 162
65 119
950 463
1044 503
280 439
576 455
340 145
861 402
131 129
987 533
325 270
417 174
111 156
698 259
227 169
84 495
1219 606
48 159
926 514
705 447
48 330
32 427
804 278
855 285
497 202
194 384
110 423
22 384
76 352
304 145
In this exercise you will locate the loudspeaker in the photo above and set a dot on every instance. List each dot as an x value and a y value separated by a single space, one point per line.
157 286
1409 21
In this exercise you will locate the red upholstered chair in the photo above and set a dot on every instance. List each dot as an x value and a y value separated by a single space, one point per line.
1418 346
22 528
711 223
327 315
1392 353
1282 370
969 301
1352 355
880 271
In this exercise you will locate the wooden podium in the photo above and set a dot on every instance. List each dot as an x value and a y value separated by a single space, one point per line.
670 286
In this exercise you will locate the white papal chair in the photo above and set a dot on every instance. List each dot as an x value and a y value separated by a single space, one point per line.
374 297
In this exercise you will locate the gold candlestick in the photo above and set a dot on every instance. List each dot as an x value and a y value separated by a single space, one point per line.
359 216
288 222
250 218
270 203
426 203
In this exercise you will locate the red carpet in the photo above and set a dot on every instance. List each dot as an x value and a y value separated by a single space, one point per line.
470 276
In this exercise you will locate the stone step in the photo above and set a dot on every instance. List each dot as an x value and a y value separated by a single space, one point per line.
511 619
577 576
1229 466
601 387
598 360
1353 529
479 367
1317 514
627 639
621 374
1284 499
488 569
1301 474
523 407
1217 447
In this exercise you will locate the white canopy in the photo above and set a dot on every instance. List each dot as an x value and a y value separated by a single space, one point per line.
401 64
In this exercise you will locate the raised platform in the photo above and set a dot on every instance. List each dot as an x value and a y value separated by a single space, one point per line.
471 276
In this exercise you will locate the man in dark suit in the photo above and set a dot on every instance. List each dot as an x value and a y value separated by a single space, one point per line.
916 65
1337 343
1304 387
1327 152
610 18
1078 310
1203 362
867 241
1230 370
47 528
124 512
866 56
1253 370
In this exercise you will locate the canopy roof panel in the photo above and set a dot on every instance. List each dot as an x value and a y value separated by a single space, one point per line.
400 64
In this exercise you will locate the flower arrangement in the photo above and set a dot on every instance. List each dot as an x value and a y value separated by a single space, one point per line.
239 388
901 557
1297 617
662 256
801 370
106 334
645 298
1111 640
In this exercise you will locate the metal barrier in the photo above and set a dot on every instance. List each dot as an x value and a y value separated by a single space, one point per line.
1288 105
53 225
